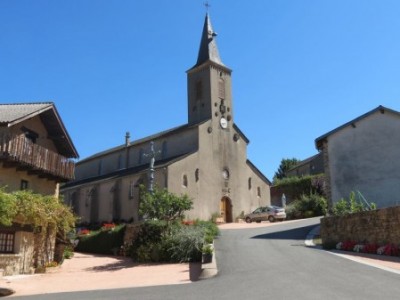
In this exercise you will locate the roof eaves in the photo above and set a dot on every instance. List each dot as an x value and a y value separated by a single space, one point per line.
255 169
382 109
241 133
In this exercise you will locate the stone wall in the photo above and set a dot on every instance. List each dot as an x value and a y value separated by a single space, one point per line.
379 226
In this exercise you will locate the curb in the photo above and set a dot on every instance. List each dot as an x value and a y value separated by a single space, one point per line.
315 232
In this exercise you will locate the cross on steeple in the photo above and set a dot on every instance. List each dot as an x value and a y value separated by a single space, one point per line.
207 5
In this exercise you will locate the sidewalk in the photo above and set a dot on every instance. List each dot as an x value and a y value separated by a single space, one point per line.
85 272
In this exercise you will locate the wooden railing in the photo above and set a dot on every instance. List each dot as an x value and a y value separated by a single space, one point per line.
36 158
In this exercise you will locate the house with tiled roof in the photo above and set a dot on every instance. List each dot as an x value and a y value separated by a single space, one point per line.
36 152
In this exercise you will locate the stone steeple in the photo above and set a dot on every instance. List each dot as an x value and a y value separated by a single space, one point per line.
208 45
209 83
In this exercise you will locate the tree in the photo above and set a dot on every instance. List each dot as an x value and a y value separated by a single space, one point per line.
286 165
163 205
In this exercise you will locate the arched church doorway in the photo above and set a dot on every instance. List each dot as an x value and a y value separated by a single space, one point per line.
226 209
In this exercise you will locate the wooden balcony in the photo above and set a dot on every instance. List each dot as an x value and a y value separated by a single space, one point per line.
20 152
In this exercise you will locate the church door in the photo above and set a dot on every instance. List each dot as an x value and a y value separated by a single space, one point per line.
226 209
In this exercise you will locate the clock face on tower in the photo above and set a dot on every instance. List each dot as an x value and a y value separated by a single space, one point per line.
223 122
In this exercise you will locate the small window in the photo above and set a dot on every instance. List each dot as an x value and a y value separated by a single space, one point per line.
7 242
24 185
199 90
258 191
221 89
196 174
185 181
164 150
249 183
131 189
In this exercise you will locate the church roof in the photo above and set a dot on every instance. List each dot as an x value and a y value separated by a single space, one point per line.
128 171
12 114
208 45
144 140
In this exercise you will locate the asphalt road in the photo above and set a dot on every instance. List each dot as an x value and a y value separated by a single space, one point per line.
269 262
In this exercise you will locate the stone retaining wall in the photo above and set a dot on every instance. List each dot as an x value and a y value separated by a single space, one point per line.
380 226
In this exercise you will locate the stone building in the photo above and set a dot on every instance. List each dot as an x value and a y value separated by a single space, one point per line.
205 158
363 155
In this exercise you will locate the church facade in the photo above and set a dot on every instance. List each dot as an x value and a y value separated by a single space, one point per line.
205 158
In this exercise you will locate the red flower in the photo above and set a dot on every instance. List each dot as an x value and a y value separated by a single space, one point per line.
370 248
84 231
391 250
348 245
108 226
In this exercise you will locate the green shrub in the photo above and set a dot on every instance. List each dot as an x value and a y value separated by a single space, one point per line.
210 228
294 187
186 244
68 252
307 206
355 203
101 242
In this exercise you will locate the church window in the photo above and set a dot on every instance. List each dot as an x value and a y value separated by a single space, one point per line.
7 241
235 137
229 117
75 202
221 89
164 150
215 104
249 183
185 181
258 191
196 174
216 114
131 189
199 90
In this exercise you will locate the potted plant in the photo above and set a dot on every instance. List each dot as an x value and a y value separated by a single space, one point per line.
207 252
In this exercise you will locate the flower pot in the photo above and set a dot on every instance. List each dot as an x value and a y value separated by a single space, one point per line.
206 258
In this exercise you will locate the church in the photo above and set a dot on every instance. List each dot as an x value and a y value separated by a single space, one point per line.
205 158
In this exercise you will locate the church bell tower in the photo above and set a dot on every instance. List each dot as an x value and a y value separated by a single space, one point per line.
209 83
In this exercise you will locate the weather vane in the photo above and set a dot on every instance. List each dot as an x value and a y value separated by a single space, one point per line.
207 5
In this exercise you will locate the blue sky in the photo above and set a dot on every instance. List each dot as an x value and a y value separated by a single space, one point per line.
300 68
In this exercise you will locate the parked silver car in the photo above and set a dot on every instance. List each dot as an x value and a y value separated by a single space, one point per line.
270 213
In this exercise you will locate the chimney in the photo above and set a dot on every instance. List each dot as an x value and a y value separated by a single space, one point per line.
127 137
